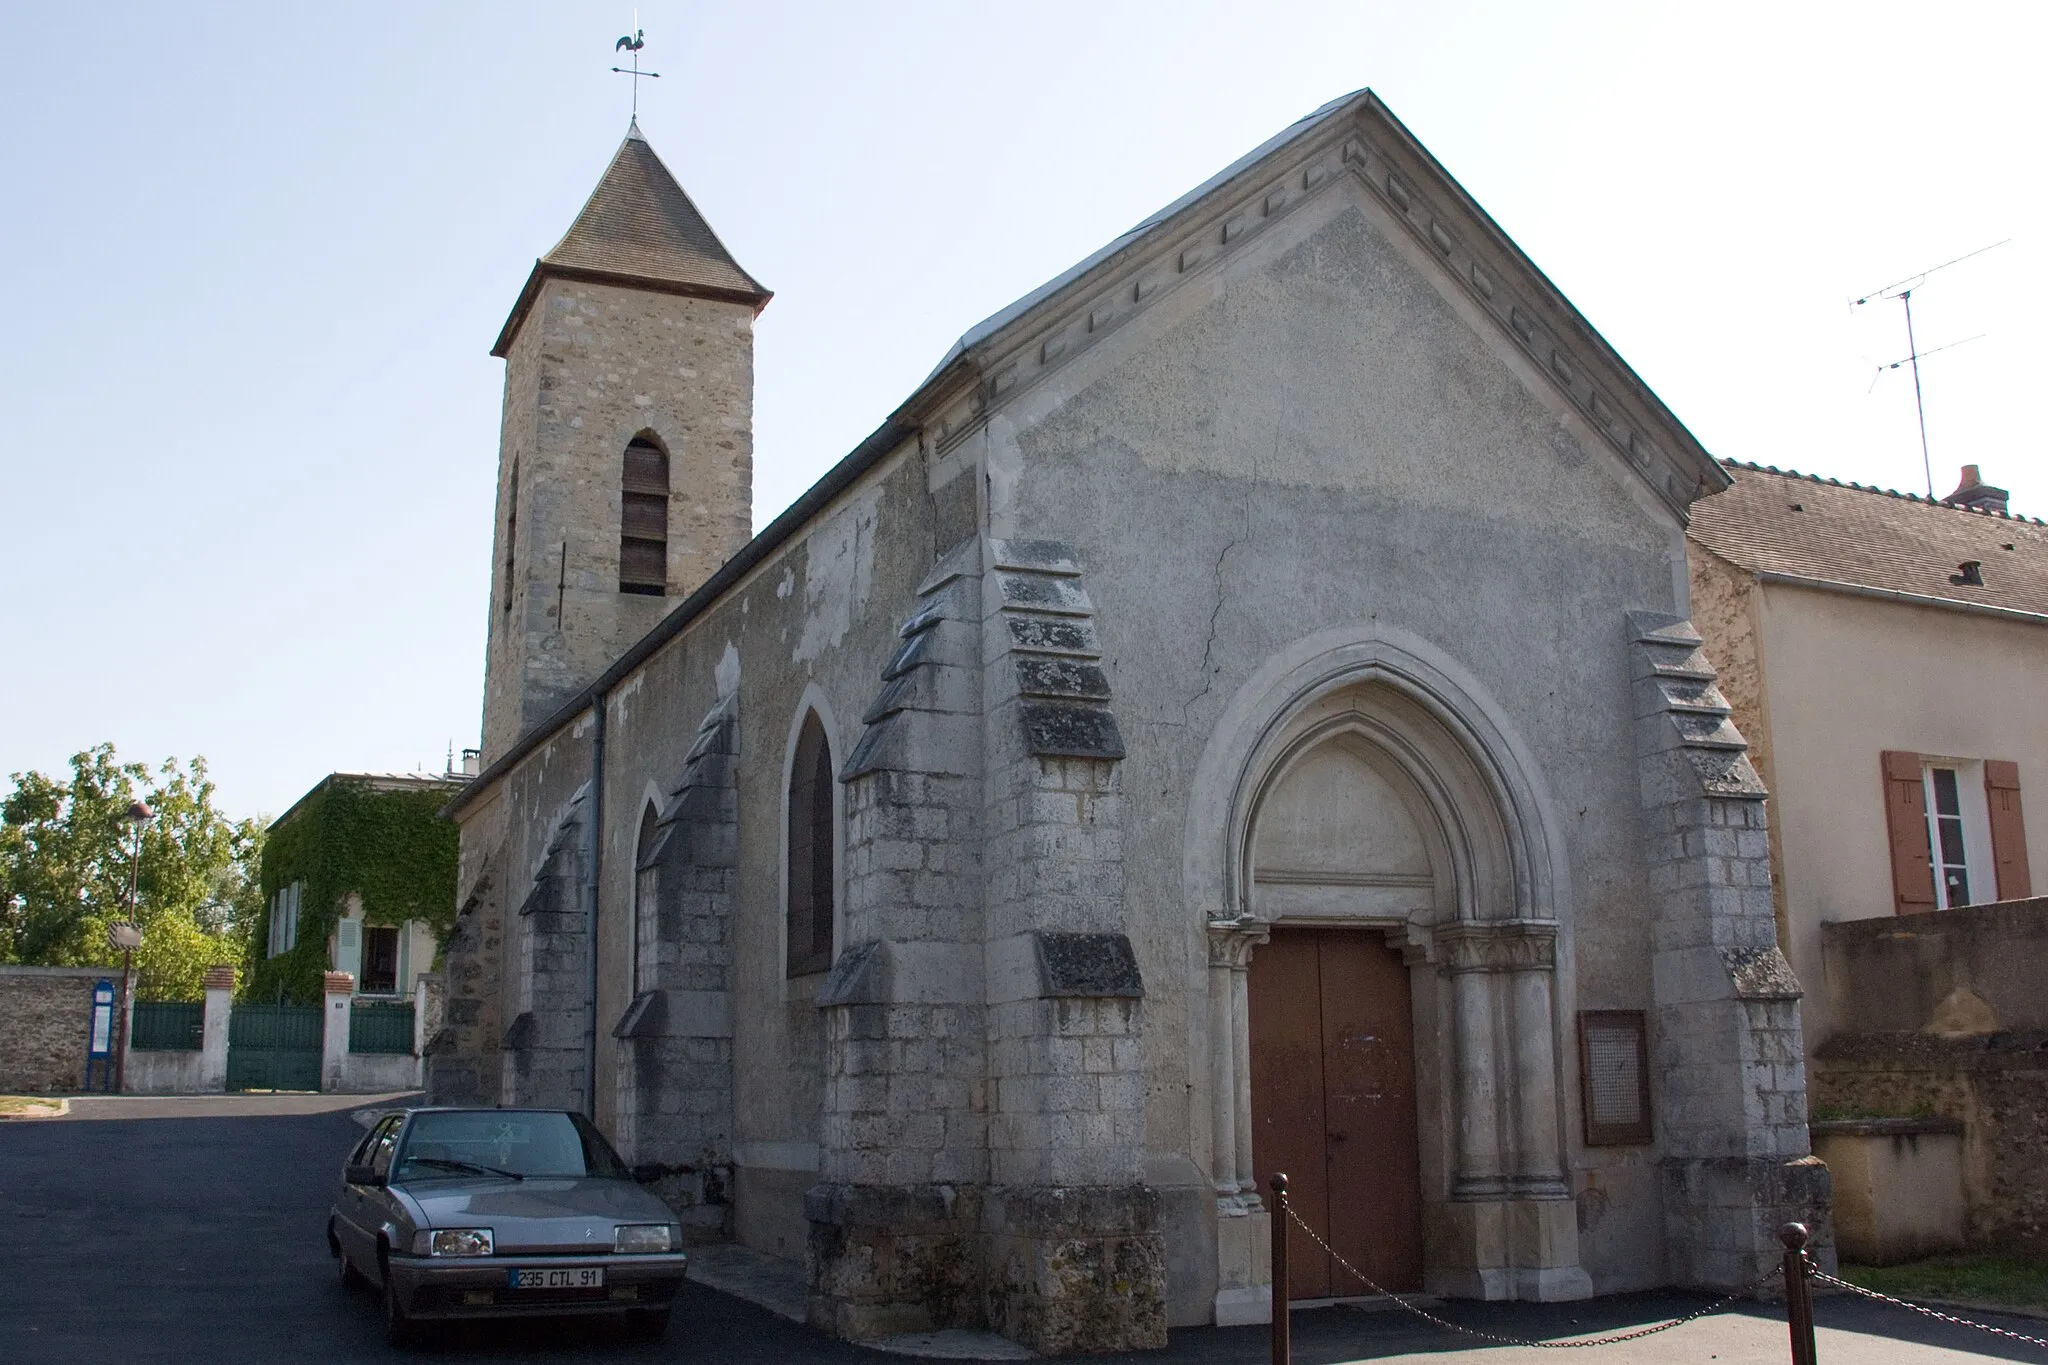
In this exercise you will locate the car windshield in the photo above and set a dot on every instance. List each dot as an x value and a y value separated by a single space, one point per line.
503 1142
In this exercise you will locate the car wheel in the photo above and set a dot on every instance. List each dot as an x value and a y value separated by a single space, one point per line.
350 1276
648 1324
399 1329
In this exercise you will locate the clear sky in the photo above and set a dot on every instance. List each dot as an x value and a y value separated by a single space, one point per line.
254 257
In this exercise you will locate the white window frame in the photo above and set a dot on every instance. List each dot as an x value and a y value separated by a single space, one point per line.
1975 811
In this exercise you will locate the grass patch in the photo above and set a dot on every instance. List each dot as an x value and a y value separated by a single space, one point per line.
29 1107
2016 1281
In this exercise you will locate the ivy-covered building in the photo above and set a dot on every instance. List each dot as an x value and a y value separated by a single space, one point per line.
359 877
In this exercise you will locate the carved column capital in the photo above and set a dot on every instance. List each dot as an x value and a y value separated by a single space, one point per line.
1498 946
1231 941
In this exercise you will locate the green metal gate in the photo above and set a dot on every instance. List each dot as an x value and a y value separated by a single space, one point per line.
274 1047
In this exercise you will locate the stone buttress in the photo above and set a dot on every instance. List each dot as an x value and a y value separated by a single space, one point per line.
544 1047
984 1129
1726 1052
472 966
673 1044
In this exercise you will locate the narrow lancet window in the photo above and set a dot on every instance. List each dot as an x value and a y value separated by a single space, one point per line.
511 532
643 520
811 879
644 889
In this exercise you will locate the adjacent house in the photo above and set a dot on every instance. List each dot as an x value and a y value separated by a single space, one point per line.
359 877
1886 657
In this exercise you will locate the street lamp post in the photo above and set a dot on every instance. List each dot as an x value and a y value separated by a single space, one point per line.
128 937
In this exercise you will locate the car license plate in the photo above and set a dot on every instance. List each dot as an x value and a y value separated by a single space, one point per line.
580 1277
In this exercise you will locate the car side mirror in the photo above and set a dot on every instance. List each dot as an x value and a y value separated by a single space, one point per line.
356 1174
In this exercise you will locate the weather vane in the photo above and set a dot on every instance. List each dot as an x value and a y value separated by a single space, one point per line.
632 43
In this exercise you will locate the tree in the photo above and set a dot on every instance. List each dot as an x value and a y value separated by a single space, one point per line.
65 852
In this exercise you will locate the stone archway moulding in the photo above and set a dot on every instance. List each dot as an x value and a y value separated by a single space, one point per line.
1230 770
1498 949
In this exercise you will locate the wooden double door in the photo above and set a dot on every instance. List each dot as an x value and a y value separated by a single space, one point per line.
1333 1104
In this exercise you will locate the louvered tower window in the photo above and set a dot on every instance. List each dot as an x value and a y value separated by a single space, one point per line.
643 520
811 881
511 532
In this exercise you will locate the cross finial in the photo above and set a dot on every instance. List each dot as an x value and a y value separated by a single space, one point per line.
632 43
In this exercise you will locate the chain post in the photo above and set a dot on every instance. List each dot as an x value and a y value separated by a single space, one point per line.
1283 1337
1798 1293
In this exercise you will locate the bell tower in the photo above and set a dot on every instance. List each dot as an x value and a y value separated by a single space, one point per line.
625 462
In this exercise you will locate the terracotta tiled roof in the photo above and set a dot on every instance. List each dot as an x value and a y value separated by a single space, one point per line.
1783 522
639 228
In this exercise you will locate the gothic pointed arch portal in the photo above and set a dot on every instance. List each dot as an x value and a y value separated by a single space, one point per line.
1379 877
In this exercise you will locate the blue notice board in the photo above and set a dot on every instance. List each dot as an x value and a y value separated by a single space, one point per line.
102 1044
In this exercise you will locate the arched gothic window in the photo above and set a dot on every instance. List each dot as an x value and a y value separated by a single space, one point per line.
643 519
645 931
811 881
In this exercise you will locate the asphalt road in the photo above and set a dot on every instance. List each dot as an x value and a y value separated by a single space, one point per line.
192 1231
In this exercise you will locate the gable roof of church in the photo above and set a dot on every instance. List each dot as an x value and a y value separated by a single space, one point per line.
1008 351
1357 134
640 229
1808 531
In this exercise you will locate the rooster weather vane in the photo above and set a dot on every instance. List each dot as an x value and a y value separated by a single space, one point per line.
632 43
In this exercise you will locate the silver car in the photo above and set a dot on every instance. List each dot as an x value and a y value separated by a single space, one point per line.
469 1213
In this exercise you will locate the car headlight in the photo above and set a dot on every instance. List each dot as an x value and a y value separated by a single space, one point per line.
452 1242
628 1238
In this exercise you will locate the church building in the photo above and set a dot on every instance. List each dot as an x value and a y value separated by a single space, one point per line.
1238 715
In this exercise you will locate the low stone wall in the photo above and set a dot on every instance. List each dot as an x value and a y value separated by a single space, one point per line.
1978 970
165 1071
1898 1187
45 1023
1946 1016
374 1073
1996 1085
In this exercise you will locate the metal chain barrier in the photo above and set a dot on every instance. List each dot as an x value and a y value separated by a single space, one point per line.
1821 1278
1499 1340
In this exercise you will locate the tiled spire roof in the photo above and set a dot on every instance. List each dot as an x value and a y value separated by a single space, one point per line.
640 229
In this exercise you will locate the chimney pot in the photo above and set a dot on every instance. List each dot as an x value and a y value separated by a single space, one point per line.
1973 492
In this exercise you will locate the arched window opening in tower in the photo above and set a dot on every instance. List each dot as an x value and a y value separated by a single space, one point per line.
643 519
511 532
811 880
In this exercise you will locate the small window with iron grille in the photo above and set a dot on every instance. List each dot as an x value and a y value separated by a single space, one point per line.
1614 1073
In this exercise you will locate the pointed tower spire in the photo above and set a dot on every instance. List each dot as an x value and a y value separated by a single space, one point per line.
626 457
639 229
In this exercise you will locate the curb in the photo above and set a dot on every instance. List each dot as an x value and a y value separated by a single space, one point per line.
45 1107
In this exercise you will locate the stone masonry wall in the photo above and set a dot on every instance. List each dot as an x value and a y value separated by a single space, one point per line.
461 1053
544 1045
895 1220
1076 1259
45 1023
593 366
1725 600
1997 1085
673 1047
1727 1061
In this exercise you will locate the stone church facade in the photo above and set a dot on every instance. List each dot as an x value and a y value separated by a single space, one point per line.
1237 715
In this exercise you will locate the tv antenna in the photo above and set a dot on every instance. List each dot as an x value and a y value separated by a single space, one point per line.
632 43
1902 290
